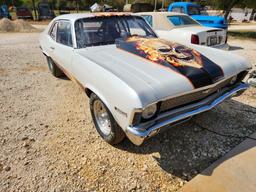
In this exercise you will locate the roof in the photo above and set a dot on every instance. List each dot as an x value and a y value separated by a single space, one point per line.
159 13
74 17
183 4
160 21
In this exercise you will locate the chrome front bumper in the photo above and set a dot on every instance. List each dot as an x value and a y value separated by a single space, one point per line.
138 134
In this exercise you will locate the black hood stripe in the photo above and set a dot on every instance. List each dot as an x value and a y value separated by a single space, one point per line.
199 70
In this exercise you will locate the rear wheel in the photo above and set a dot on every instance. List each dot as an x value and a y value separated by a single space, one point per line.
104 122
55 70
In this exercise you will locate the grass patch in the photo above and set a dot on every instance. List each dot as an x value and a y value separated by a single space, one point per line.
243 34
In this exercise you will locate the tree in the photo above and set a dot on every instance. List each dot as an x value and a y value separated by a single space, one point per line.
11 2
228 5
34 8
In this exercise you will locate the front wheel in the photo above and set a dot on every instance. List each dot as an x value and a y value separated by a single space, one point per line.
104 122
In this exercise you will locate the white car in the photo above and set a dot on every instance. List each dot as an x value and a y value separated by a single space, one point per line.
182 28
136 82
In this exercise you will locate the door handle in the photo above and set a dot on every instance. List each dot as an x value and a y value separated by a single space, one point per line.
52 48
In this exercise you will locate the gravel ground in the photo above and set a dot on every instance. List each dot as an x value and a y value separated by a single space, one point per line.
48 141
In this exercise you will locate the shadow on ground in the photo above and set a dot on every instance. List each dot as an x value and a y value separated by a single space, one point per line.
234 48
188 149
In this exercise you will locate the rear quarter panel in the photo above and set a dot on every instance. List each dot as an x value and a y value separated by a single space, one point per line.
175 35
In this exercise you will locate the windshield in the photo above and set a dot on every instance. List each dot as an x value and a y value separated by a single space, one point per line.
105 30
179 20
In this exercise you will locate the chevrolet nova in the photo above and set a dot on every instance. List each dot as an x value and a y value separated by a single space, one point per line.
137 83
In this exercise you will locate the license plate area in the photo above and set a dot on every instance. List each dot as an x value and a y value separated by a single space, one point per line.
212 40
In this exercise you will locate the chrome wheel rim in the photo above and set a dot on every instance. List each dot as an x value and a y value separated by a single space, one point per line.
102 117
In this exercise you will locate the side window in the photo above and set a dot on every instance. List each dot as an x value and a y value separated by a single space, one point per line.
148 18
178 9
192 10
64 34
53 31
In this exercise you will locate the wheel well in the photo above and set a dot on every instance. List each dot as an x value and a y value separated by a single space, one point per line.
88 92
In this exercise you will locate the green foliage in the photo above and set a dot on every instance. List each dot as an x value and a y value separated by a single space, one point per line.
218 4
248 3
228 5
10 2
224 4
243 34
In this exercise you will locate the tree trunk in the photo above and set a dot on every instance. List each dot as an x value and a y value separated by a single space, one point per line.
34 7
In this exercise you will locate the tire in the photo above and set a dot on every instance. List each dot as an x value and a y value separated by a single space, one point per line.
115 134
55 70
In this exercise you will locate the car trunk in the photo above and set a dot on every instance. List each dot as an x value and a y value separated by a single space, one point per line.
213 37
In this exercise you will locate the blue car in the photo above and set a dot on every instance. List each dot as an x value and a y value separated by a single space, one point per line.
4 12
194 11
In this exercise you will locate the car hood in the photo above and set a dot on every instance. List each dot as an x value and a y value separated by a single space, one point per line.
216 19
164 76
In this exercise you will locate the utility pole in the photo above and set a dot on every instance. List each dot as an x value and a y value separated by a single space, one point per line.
77 6
155 5
162 5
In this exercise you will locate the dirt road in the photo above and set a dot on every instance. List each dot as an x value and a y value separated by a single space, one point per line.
48 142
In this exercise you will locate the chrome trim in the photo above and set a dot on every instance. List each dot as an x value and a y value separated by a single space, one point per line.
137 135
101 116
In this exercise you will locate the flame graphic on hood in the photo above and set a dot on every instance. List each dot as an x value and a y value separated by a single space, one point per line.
161 50
189 63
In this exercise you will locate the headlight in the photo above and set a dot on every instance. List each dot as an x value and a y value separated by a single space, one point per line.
233 80
149 111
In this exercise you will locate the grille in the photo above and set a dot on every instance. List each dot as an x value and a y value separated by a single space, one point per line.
191 97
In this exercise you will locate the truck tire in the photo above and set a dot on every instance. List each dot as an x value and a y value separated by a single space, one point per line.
104 122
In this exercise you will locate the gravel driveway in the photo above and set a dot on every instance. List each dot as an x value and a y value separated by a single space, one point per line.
48 141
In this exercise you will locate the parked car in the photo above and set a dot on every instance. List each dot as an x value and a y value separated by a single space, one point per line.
181 28
45 11
4 12
24 13
136 82
195 12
